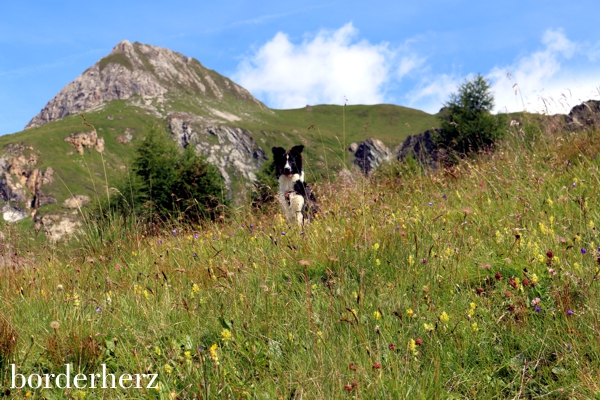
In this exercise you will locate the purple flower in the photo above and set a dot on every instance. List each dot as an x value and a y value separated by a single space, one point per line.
574 184
397 226
583 251
194 255
444 197
159 241
541 179
302 232
430 204
570 312
538 309
98 309
174 232
283 233
195 236
251 225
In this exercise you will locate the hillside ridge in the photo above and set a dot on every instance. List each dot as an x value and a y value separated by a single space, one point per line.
139 69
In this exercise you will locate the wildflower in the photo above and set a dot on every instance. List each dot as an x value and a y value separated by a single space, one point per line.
411 260
290 337
537 309
419 341
377 262
472 306
98 309
55 325
410 313
412 345
376 365
430 204
376 315
352 367
195 236
282 233
583 251
60 288
168 368
498 276
570 312
187 354
226 335
375 247
474 327
550 254
428 327
174 232
392 347
213 354
159 241
535 301
534 279
444 317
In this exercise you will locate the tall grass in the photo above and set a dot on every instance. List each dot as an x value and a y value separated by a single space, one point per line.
478 281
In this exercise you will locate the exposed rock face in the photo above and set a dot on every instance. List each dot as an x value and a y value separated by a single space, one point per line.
76 201
586 115
370 154
138 69
232 150
57 226
20 181
420 146
13 214
86 139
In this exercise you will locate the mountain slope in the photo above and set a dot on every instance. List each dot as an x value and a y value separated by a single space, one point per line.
58 158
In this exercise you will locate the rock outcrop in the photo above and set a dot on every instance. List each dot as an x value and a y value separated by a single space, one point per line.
421 147
20 181
232 150
76 201
82 140
138 69
370 154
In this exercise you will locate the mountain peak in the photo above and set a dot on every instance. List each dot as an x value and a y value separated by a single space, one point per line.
139 69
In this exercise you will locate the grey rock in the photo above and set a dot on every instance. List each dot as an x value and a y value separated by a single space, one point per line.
76 201
13 214
370 154
137 69
421 147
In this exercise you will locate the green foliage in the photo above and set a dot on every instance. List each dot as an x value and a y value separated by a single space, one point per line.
165 184
265 187
467 123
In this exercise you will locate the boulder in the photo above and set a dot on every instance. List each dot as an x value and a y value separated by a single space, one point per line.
370 154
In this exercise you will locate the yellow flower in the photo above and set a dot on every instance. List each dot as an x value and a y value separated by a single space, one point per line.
157 350
213 354
591 224
534 278
375 247
377 262
411 260
412 345
377 315
472 306
410 313
188 355
444 317
168 368
226 335
474 327
550 202
428 327
291 337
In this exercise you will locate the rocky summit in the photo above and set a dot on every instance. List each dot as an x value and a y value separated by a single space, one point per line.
139 69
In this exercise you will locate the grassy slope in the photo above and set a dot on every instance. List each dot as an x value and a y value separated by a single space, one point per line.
319 313
85 175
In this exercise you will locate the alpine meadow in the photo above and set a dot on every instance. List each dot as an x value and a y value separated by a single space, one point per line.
465 266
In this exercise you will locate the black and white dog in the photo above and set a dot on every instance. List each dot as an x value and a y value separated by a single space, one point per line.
295 197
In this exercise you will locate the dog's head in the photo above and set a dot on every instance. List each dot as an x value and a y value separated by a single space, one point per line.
287 163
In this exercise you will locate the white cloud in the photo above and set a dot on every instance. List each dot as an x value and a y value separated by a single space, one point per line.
544 80
327 68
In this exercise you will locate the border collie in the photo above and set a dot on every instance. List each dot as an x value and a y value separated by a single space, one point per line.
295 197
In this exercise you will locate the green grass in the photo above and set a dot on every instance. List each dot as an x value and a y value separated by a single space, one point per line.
407 285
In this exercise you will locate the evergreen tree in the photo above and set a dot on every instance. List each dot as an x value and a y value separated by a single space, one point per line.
467 122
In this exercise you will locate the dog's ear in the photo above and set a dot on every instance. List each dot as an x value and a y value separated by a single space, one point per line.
298 149
278 151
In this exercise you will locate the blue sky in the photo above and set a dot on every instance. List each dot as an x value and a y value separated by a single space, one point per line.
289 54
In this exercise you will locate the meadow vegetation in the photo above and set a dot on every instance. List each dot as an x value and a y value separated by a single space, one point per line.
479 280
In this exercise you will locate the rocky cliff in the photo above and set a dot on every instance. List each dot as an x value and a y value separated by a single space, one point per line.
139 69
